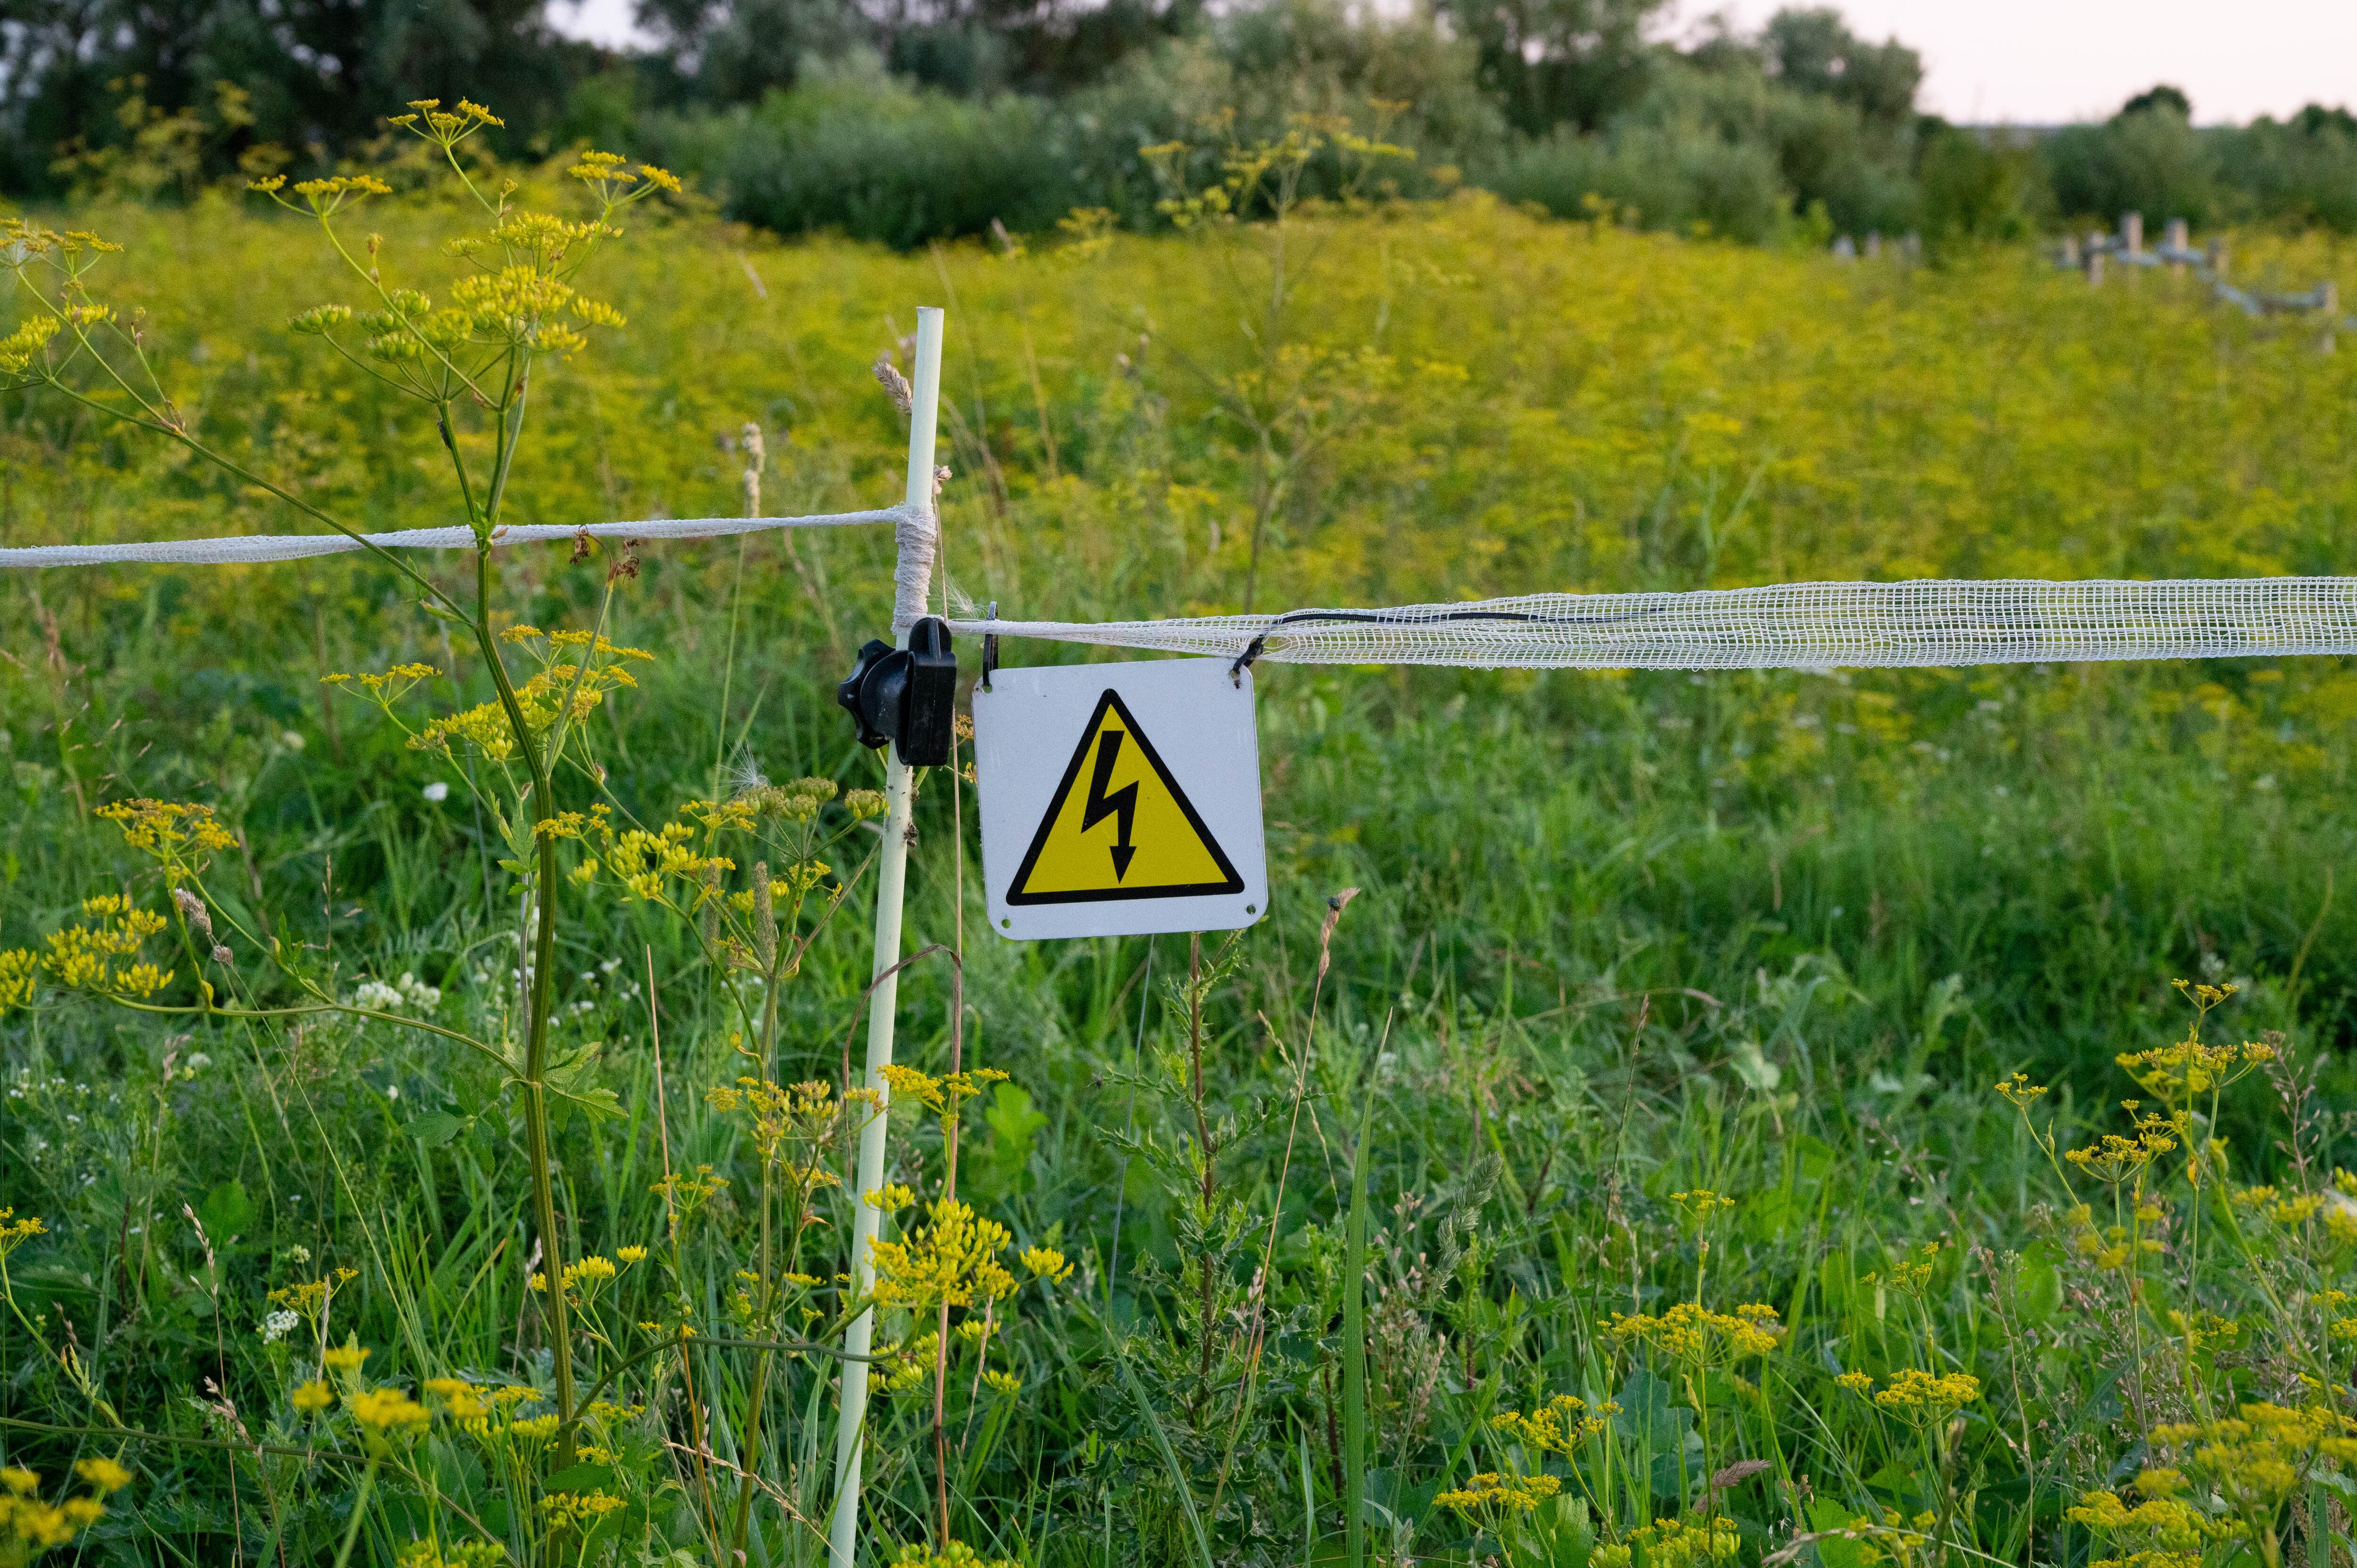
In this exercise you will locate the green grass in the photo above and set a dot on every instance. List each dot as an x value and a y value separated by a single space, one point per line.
1619 936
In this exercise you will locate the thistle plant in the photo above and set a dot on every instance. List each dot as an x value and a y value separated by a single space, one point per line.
512 306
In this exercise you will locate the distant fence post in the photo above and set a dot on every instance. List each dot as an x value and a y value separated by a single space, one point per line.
2328 294
2132 233
2094 269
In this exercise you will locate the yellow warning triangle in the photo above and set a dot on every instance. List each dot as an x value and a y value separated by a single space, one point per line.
1118 826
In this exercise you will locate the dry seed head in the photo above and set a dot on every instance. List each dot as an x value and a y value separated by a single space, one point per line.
888 376
193 910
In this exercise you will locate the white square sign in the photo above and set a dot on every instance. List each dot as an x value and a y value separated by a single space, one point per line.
1119 800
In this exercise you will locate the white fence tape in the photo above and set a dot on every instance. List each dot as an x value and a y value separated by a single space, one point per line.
298 546
1793 626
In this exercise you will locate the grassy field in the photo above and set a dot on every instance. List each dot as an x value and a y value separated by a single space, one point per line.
1659 1037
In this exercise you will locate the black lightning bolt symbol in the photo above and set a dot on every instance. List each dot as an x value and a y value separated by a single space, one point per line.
1120 803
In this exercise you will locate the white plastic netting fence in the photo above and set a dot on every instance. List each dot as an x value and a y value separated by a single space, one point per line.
300 547
1793 626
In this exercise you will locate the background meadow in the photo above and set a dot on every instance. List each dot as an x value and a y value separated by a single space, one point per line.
1619 939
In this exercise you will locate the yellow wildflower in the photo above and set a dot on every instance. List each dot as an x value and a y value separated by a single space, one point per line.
14 1232
1924 1398
1047 1263
103 1473
1491 1492
952 1261
1691 1333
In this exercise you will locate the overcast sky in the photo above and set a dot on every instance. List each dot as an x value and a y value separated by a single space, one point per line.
2042 62
2027 61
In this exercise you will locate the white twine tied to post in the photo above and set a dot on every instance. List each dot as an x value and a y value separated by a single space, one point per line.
916 534
241 549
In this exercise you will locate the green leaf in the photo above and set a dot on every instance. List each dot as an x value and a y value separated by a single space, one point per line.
2038 1290
598 1105
1647 1413
1831 1513
581 1478
1004 1167
437 1128
226 1211
1812 1158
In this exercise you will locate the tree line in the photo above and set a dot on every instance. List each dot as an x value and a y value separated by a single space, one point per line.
908 119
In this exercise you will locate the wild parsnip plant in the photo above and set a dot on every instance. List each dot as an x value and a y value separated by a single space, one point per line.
513 304
568 1480
1618 1182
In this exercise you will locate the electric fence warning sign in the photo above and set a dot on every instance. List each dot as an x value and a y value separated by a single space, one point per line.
1120 800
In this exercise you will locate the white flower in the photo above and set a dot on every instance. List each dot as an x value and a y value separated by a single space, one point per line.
292 740
198 1063
392 1091
418 993
376 997
276 1326
437 791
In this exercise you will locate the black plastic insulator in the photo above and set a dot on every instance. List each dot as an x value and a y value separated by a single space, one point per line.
872 693
930 713
907 696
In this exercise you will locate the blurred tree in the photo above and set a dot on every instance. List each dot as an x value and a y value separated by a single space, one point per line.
1975 185
730 51
1812 51
2147 159
1553 62
2164 97
733 51
88 76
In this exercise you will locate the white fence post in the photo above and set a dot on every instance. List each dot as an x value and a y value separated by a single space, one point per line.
912 575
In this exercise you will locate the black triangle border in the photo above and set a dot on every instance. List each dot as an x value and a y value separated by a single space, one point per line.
1017 898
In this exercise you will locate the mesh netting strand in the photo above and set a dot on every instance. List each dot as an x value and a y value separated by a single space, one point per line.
1795 625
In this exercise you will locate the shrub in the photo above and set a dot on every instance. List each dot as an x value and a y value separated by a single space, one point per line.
2303 170
1970 189
858 152
2150 161
1673 177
